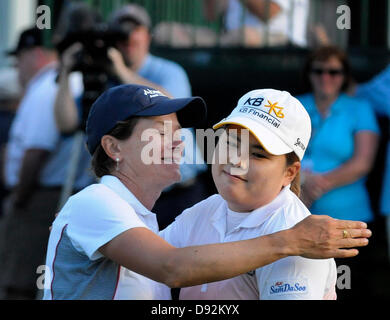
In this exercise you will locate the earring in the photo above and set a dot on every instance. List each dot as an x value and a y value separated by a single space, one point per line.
117 164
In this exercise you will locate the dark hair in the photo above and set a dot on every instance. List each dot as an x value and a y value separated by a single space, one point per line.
296 183
103 164
323 54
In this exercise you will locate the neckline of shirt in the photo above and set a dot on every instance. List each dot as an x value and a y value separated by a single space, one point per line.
258 216
49 67
121 190
334 107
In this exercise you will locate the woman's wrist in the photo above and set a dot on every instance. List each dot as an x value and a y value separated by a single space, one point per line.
285 243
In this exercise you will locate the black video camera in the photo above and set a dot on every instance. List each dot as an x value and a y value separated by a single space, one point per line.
93 61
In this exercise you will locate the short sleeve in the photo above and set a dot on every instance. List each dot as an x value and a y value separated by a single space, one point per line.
98 216
365 119
296 278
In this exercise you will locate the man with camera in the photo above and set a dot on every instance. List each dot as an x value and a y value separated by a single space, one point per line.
129 62
132 63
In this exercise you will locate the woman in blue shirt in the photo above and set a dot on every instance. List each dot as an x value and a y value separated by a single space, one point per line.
344 140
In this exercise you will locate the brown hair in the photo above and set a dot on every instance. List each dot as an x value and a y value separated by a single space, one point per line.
296 183
323 54
102 164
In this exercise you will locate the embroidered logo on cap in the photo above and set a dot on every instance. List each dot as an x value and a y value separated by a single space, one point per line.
300 144
275 108
153 93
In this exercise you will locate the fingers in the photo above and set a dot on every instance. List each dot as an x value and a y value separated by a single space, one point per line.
344 253
356 233
352 243
347 224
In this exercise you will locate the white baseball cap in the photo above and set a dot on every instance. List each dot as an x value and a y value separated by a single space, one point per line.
277 120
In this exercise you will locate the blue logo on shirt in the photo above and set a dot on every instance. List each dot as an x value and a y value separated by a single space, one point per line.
282 287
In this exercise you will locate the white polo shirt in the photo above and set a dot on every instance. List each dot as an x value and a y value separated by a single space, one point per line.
90 219
34 127
289 278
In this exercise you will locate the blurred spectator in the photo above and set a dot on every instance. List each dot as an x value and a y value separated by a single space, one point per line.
341 153
377 92
10 92
322 23
35 168
133 63
251 23
344 140
263 22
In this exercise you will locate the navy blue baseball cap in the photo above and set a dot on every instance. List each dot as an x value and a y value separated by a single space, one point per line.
125 101
30 38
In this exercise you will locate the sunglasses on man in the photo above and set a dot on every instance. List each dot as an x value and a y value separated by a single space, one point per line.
331 72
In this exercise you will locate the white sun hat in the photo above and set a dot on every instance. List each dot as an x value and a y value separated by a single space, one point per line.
277 120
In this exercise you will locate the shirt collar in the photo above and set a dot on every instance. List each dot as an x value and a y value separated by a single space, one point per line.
256 217
121 190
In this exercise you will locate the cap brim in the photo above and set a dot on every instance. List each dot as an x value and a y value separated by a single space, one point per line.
268 140
191 112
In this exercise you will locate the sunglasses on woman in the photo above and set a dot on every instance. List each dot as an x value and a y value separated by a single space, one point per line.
331 72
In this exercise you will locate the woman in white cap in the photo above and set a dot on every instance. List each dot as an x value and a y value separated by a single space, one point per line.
104 242
258 189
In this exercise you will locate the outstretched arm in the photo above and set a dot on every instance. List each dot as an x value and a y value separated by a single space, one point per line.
144 252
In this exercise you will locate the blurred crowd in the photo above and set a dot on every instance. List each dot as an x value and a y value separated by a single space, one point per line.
44 104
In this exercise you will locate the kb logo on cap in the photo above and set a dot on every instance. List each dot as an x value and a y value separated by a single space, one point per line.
273 107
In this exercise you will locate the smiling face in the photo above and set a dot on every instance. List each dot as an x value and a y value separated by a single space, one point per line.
150 156
165 170
263 174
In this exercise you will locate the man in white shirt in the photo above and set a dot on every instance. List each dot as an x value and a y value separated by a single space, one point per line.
35 167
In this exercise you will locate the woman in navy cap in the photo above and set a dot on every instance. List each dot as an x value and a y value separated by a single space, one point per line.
104 242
